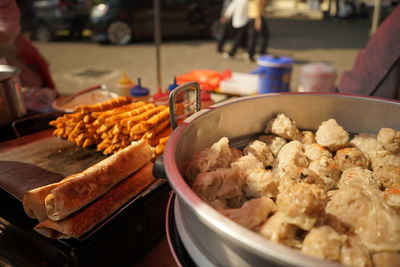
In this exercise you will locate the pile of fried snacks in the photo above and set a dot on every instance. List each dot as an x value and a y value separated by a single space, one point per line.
114 124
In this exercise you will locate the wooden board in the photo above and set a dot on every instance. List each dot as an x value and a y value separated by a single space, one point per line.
40 159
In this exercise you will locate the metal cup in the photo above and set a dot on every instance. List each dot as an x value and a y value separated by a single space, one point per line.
12 105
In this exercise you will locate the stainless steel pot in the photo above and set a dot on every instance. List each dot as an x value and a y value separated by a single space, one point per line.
12 104
222 241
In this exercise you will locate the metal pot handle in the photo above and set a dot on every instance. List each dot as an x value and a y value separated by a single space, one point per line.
172 100
158 167
34 118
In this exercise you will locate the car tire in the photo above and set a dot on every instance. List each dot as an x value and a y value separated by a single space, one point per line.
43 33
119 33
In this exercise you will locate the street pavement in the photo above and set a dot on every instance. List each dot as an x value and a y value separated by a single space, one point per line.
78 64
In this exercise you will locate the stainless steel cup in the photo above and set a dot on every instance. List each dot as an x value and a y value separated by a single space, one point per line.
12 105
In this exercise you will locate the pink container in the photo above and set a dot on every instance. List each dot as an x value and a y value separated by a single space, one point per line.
317 77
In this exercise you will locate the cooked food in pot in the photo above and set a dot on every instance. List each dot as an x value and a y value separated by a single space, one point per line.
328 194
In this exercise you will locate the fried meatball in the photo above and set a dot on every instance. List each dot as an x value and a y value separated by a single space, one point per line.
261 151
354 254
217 156
367 143
392 196
291 155
382 158
362 206
386 258
357 175
253 212
220 184
275 143
351 157
308 137
331 135
390 139
247 163
284 127
326 168
315 151
260 182
302 175
387 175
301 204
278 230
324 243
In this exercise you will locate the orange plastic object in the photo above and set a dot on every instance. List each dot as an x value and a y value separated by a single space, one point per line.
207 79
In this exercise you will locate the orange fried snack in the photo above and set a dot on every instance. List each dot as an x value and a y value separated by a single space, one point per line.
112 125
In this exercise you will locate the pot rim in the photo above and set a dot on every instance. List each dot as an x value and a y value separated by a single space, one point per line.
239 234
8 71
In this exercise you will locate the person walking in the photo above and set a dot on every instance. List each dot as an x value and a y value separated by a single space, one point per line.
258 31
225 28
238 12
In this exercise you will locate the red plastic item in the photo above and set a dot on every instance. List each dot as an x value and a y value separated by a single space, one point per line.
208 79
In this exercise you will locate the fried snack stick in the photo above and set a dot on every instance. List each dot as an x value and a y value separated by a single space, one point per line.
131 113
85 219
59 132
109 104
76 131
160 147
156 130
114 120
100 116
132 121
144 126
126 124
96 180
66 117
103 144
156 139
66 124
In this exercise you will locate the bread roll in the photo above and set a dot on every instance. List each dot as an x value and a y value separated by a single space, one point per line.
88 185
88 217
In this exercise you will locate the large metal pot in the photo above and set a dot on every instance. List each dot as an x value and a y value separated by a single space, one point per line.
12 104
222 241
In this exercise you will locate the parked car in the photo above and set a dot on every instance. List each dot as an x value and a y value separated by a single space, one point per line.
121 21
54 16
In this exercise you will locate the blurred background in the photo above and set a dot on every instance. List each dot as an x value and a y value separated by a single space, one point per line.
87 42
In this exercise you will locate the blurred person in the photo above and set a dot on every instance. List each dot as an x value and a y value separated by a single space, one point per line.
376 71
258 32
18 51
238 12
225 28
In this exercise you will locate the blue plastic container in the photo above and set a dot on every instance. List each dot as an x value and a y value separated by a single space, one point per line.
274 73
138 92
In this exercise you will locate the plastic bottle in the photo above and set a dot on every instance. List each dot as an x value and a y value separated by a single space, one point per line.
173 85
140 93
180 109
124 85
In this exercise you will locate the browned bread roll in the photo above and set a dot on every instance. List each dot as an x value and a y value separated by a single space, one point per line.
58 200
85 219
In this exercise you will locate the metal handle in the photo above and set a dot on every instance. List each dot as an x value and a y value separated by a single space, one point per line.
172 100
15 123
158 168
98 86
